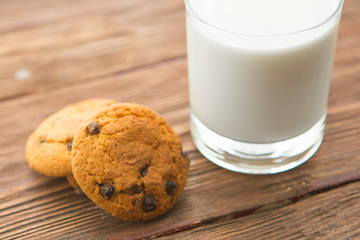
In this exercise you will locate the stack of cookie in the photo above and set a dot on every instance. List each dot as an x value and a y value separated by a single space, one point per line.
124 157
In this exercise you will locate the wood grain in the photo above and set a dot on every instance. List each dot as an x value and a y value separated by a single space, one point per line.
210 193
93 45
316 217
134 51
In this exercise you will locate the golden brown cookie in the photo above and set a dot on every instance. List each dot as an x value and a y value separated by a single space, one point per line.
48 150
128 160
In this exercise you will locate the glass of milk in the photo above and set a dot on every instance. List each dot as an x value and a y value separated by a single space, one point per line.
259 78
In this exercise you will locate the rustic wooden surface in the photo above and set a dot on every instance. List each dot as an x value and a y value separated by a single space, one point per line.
55 52
329 215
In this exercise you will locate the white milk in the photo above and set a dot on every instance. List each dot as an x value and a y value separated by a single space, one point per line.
260 89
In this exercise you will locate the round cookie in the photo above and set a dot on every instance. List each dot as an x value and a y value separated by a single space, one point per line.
48 149
129 161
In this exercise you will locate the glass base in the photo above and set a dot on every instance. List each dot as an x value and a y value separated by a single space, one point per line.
253 158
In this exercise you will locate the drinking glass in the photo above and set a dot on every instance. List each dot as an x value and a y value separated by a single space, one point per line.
259 79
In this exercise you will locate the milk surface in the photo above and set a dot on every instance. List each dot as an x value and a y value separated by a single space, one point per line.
264 88
264 17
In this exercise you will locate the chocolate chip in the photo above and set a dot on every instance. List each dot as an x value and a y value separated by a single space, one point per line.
115 144
93 128
144 171
184 154
42 141
135 190
106 190
69 146
134 202
170 187
149 203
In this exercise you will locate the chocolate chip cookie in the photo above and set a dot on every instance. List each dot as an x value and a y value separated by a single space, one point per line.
48 150
129 161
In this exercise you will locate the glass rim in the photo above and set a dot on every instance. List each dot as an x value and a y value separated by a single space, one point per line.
331 16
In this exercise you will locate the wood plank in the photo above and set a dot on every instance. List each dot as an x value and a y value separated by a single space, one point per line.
37 205
95 44
14 16
330 215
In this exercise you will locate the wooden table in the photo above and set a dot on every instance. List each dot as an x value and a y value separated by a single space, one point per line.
56 52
